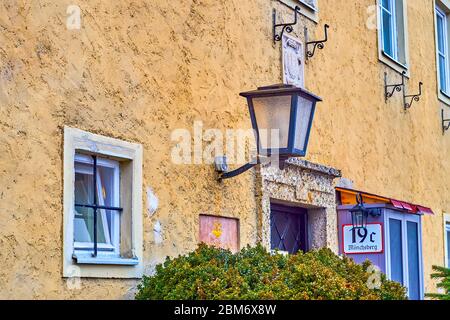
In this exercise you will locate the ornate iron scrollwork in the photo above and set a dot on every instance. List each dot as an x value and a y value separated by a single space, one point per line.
414 97
445 126
316 44
389 89
286 27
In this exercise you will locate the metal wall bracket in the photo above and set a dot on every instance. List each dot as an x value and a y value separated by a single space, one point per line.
445 126
414 97
389 89
286 27
316 44
221 167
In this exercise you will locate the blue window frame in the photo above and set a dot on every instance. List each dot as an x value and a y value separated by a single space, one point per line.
404 252
442 50
389 28
447 241
396 249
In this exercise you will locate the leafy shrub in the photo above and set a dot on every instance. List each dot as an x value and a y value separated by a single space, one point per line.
209 273
443 274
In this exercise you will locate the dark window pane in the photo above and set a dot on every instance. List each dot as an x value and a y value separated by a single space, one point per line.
413 260
288 229
396 252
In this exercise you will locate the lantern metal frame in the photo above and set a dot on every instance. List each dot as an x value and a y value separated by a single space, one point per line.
277 90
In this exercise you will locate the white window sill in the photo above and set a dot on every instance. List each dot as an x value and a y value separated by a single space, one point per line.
444 98
393 64
105 260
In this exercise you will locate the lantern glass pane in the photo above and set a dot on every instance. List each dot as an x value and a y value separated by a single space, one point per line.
273 117
304 110
359 220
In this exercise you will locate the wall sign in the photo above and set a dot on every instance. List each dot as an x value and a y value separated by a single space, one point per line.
221 232
293 58
362 241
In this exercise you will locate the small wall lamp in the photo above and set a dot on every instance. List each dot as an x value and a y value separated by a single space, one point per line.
285 109
360 213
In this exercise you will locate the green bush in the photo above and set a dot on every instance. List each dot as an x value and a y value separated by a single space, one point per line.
444 275
210 273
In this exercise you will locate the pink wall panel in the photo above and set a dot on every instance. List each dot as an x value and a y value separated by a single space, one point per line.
221 232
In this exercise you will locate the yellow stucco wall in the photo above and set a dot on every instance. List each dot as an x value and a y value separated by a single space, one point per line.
139 69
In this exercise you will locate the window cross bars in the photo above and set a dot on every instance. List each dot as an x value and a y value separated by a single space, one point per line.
95 206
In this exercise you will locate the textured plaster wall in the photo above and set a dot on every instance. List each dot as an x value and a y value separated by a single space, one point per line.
139 69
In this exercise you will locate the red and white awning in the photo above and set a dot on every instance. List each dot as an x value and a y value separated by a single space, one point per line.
348 197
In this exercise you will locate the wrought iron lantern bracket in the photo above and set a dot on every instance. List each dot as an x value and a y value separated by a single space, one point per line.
286 27
316 44
445 123
222 168
414 97
390 89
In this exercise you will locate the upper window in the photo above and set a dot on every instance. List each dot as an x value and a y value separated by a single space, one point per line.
102 206
442 46
393 31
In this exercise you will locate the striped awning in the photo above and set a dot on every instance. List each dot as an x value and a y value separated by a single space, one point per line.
348 197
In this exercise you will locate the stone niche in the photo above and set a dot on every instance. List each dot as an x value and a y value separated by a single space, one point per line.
301 184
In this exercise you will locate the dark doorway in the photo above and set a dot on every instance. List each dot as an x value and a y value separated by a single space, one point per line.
288 226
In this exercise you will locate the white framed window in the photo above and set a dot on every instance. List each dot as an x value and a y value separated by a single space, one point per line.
447 239
442 11
404 252
102 206
392 26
